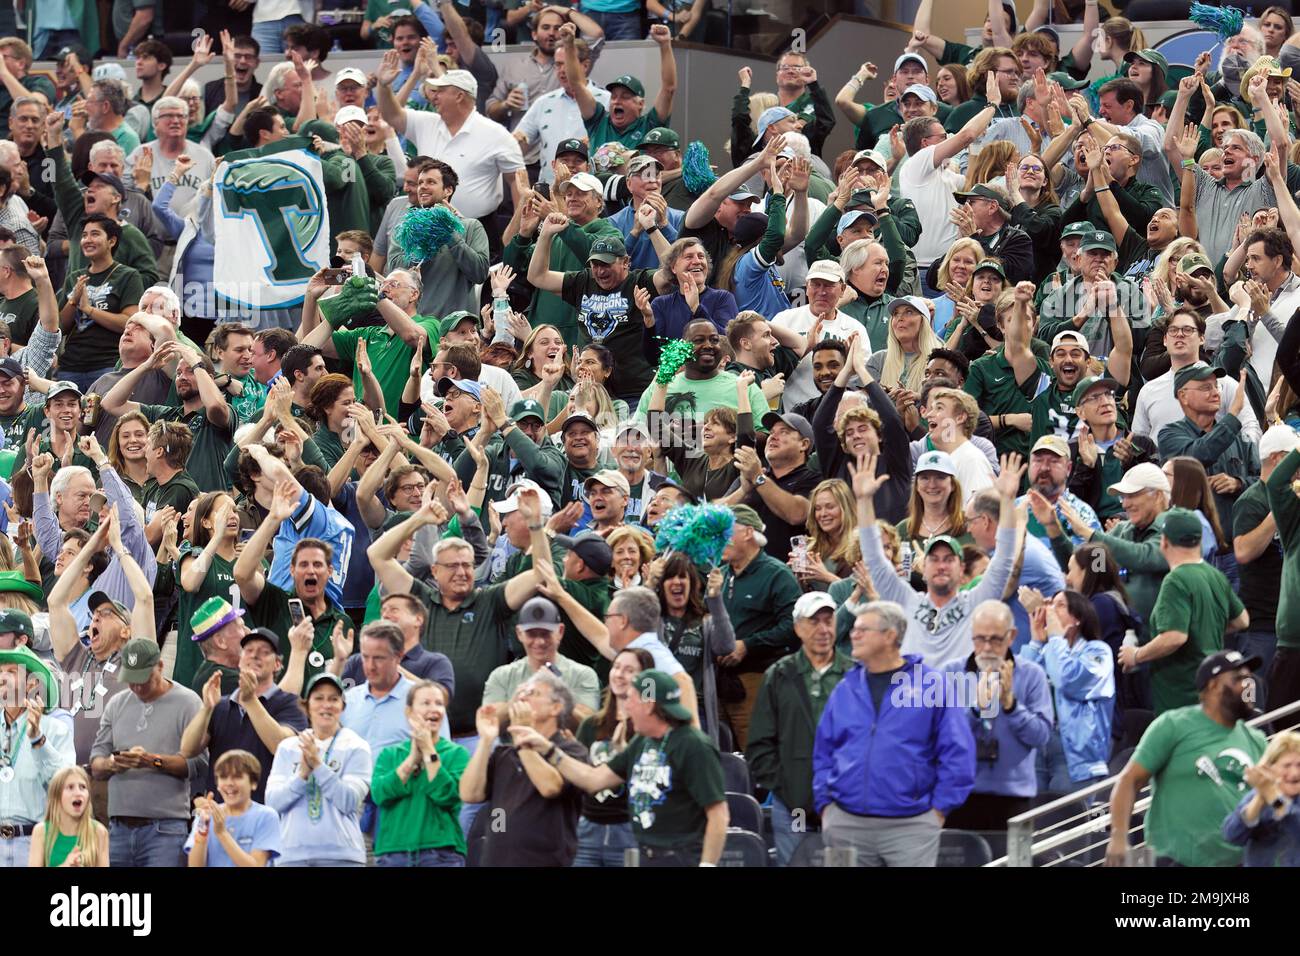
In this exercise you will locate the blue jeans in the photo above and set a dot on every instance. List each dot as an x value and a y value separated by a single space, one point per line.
270 34
83 380
158 843
1263 644
619 26
439 856
13 852
1053 773
784 833
602 844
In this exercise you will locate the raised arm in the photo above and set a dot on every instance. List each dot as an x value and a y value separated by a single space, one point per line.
706 207
390 109
576 72
63 626
540 274
661 35
974 127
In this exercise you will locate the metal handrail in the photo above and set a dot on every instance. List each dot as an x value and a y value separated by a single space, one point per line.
1021 846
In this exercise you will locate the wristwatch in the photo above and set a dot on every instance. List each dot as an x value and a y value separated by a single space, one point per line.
760 480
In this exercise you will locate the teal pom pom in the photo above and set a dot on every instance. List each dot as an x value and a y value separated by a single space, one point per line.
697 174
1225 21
672 357
423 232
698 531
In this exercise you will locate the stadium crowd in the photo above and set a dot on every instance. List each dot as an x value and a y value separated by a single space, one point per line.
983 435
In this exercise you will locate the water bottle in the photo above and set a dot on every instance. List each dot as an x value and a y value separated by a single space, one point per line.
905 549
358 265
523 88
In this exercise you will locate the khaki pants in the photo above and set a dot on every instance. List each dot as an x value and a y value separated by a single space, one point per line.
737 712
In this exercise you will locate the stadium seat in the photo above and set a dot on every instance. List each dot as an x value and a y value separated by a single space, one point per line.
743 848
476 838
997 841
1135 725
1119 760
736 773
726 740
963 848
745 813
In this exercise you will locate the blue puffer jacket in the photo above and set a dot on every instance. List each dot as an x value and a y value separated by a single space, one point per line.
1083 678
915 755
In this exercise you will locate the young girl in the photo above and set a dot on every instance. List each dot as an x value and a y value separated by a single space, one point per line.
237 831
69 835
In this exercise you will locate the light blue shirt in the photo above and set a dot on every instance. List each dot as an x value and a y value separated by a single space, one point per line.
313 520
1041 572
381 721
664 659
641 248
22 800
257 828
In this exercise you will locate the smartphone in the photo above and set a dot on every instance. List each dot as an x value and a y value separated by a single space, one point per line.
336 276
296 612
246 535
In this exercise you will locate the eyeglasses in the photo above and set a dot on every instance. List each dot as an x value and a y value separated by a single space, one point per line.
1181 331
980 640
1099 397
457 566
412 488
1111 147
1031 168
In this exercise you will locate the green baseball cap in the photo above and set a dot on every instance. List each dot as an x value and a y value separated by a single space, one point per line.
1089 383
13 621
24 657
1076 230
1066 81
660 688
527 408
1149 56
1196 372
629 81
1193 261
139 657
660 136
1182 527
450 322
607 249
1097 239
990 265
947 539
748 517
393 520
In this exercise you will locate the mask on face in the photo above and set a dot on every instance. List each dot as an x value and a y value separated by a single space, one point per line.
1234 65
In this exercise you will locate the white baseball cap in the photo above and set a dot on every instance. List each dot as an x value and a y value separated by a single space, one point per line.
460 79
827 269
350 114
353 74
1144 477
511 503
812 602
584 181
1279 438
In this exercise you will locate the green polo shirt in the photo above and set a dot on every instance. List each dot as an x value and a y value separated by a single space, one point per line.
601 131
476 637
271 610
229 677
212 443
820 684
874 316
992 382
389 356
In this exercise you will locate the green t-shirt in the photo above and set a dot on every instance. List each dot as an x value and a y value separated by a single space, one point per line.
601 131
1188 802
15 426
22 313
382 39
329 445
90 346
248 403
390 358
993 384
212 443
695 397
1054 414
219 582
1197 600
609 317
670 782
177 492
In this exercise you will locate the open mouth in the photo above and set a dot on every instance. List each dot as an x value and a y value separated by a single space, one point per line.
77 804
312 582
676 591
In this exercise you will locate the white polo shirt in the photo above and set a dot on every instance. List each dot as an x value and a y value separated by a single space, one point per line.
480 153
551 119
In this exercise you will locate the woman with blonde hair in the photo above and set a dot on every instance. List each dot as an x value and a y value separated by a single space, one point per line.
633 550
955 273
935 507
544 345
69 835
990 163
593 399
1164 275
910 342
1267 820
833 546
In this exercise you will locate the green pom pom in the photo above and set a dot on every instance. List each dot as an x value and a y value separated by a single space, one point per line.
673 356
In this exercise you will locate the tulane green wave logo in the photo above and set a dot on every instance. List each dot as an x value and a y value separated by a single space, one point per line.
288 207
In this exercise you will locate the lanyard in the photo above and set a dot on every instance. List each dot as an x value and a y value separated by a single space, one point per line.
314 796
9 754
